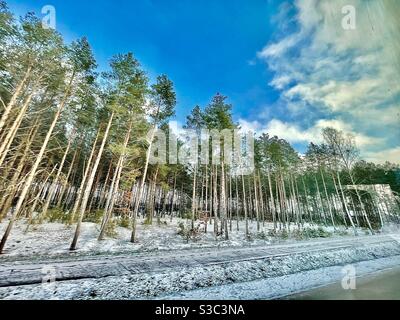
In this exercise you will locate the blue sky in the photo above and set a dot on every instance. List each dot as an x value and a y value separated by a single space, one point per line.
288 67
205 48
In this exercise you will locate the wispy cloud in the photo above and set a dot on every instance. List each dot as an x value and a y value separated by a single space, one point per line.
348 79
293 133
391 155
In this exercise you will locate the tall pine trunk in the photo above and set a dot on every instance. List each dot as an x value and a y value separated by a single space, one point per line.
140 193
86 194
31 176
78 196
55 182
14 98
245 208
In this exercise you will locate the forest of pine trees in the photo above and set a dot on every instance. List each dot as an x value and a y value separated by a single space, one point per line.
74 143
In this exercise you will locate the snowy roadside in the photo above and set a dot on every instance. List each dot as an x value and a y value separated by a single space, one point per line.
299 270
52 239
281 287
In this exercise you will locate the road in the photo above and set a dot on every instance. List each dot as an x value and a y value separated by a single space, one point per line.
384 285
70 268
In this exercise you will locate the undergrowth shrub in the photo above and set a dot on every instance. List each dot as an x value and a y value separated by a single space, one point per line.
124 222
300 234
262 235
187 215
56 215
316 233
148 221
188 233
94 216
111 229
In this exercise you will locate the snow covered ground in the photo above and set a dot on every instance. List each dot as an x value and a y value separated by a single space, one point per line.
301 270
280 287
54 238
261 278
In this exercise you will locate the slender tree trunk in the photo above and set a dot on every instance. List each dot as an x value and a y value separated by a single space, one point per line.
327 199
245 208
272 201
256 203
9 138
55 182
300 205
109 209
65 183
338 197
345 204
95 189
283 197
261 199
215 196
194 195
355 211
37 198
152 197
237 203
140 193
361 203
14 99
322 213
84 179
223 200
230 203
89 186
35 167
173 197
250 207
211 193
103 192
278 203
201 200
308 211
206 199
5 203
115 185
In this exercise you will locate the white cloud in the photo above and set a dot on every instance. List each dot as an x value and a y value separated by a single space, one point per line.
293 133
277 49
281 81
390 155
351 76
